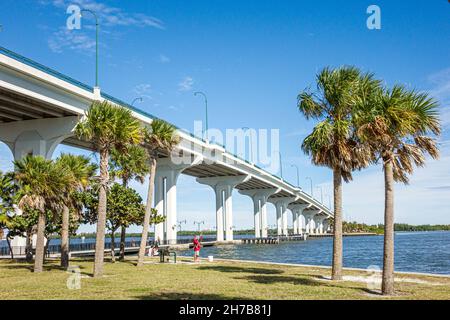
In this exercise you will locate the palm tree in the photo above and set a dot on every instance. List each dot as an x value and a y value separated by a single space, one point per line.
397 123
41 184
129 165
106 126
81 171
332 142
159 137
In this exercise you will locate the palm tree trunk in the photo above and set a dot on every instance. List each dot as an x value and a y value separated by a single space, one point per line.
336 273
8 241
123 229
387 285
148 210
28 247
40 239
123 232
101 221
113 246
65 237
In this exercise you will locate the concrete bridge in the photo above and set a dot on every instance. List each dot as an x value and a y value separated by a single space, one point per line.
39 108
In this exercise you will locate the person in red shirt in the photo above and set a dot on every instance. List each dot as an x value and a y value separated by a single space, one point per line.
197 246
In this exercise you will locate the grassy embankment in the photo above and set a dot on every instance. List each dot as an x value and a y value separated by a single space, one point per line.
216 280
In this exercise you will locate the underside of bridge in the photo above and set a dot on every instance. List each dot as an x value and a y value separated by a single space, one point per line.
17 107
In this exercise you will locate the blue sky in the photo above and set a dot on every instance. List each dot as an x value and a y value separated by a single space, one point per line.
251 58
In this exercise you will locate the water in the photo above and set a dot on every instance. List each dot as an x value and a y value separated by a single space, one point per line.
427 252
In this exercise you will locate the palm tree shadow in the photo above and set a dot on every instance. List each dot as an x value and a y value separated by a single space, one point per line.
234 269
268 279
186 296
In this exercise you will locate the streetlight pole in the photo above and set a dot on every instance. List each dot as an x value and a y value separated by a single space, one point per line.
310 180
321 193
206 107
180 222
298 174
96 42
250 149
198 224
137 99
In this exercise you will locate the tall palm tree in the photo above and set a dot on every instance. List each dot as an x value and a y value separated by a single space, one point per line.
129 165
160 136
81 170
42 183
397 124
332 143
106 126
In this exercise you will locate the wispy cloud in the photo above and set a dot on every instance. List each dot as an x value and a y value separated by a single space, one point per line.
186 84
143 90
67 39
163 58
109 17
441 91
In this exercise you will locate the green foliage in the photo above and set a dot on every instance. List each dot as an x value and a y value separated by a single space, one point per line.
131 164
124 207
396 124
333 142
109 126
160 136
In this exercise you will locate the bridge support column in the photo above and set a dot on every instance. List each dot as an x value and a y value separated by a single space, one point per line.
166 178
260 197
297 210
36 137
309 220
281 205
319 224
223 188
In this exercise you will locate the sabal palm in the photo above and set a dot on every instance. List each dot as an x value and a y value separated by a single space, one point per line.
81 171
332 142
132 164
42 183
397 125
160 136
107 126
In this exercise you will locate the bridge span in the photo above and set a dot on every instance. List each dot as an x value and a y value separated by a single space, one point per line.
39 108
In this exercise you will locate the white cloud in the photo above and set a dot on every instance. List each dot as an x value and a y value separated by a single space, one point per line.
71 39
441 91
186 84
109 17
163 58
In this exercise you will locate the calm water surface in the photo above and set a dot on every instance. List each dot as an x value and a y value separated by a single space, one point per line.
427 252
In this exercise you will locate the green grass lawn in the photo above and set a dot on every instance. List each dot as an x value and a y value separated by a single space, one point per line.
216 280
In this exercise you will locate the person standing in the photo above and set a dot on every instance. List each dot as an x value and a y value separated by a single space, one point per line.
197 246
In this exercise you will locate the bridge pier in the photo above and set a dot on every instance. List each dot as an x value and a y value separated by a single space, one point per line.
167 173
223 189
36 137
297 210
281 205
260 197
309 220
319 223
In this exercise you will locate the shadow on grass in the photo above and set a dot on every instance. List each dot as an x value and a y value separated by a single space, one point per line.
186 296
264 279
235 269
